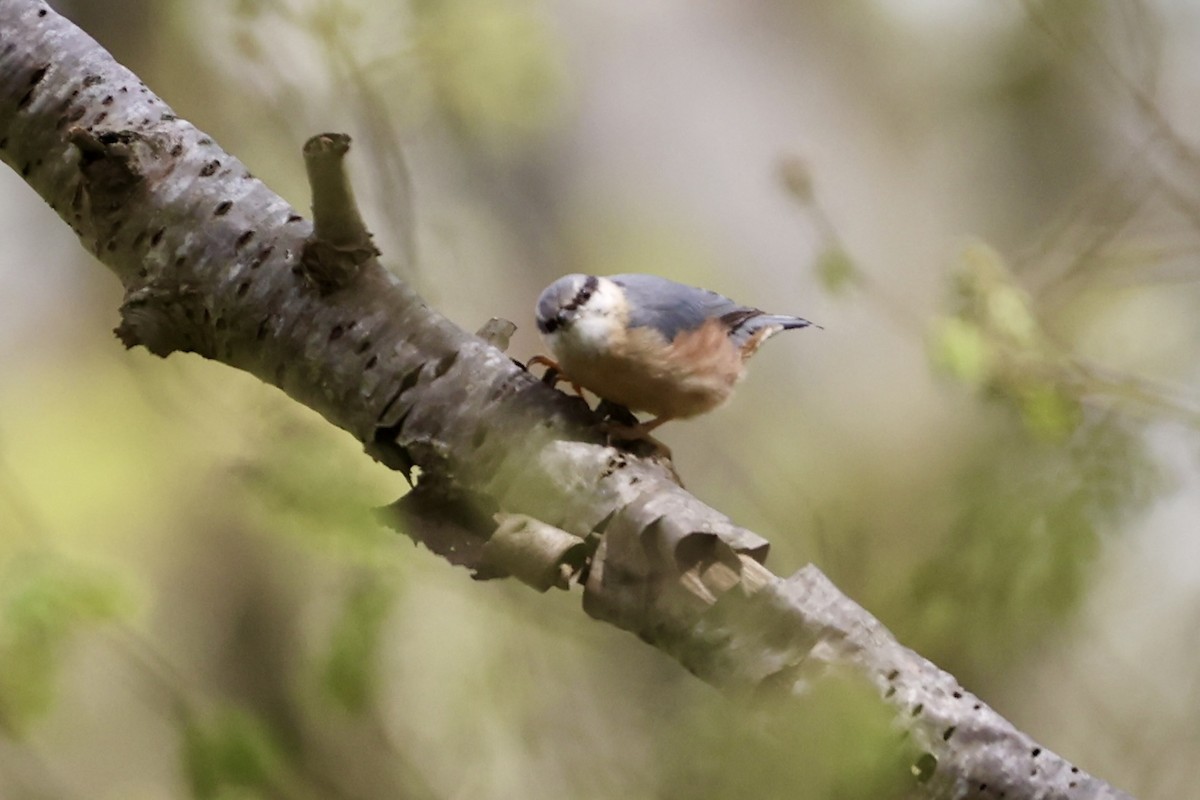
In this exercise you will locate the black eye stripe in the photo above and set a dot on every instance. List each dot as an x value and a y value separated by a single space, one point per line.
584 294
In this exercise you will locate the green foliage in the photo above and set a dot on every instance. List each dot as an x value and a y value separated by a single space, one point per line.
1018 557
350 670
230 755
45 603
993 341
326 496
492 66
837 742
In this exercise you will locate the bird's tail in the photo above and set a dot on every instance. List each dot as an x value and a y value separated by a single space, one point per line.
754 329
783 322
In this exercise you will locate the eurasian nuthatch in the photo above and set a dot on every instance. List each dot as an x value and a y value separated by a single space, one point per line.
651 344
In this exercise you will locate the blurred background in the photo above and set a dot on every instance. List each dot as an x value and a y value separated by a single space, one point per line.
993 208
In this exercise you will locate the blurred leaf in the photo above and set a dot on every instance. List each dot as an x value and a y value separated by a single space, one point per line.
1019 556
992 340
1049 412
836 270
350 673
230 755
958 348
44 605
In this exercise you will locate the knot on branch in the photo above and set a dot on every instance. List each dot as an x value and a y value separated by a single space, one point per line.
164 320
340 242
110 165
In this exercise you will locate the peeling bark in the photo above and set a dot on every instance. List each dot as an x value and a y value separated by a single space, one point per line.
212 263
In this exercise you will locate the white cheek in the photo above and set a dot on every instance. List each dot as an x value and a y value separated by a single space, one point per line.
591 334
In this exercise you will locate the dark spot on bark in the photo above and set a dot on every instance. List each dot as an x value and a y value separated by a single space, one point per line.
1037 751
891 676
983 787
107 101
946 734
244 239
958 695
261 257
1074 770
977 706
145 122
42 12
364 346
262 329
243 287
222 208
891 691
167 117
179 261
92 80
409 380
3 142
157 237
925 766
34 79
444 364
177 151
123 89
246 176
210 168
26 169
112 245
371 362
336 333
143 272
205 141
917 709
207 315
221 324
76 113
294 218
103 115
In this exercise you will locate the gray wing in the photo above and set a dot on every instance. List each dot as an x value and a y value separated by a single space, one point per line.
672 308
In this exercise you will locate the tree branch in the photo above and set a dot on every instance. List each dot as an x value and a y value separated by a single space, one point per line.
212 262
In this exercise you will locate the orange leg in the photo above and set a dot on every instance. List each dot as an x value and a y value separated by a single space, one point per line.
554 373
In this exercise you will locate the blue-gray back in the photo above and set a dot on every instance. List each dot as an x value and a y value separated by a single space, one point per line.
671 308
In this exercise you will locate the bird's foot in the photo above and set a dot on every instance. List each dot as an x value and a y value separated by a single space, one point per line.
621 426
553 374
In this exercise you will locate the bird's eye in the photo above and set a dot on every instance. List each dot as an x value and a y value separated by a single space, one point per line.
549 325
584 296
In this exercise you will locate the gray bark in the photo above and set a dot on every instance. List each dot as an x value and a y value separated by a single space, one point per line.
211 261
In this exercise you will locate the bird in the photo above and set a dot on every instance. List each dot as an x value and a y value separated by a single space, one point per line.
650 344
